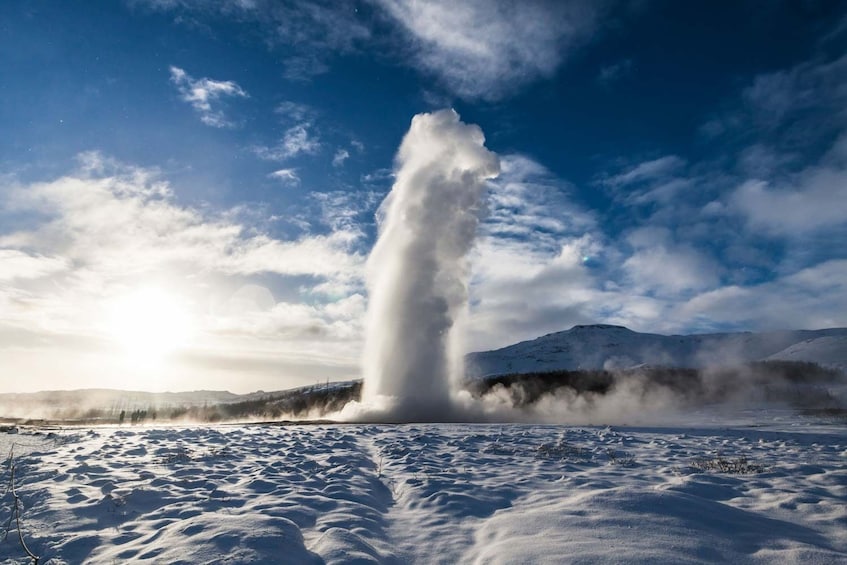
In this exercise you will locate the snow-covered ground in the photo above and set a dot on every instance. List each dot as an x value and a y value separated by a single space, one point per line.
434 493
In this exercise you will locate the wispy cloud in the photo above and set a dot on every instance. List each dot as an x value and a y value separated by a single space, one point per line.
206 95
531 269
340 157
527 201
649 183
286 176
815 87
300 136
792 177
487 49
788 109
297 140
311 32
615 72
345 211
645 171
295 112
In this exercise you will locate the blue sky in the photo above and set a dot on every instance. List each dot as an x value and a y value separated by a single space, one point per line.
188 187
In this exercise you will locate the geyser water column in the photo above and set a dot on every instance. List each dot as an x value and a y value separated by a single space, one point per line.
417 273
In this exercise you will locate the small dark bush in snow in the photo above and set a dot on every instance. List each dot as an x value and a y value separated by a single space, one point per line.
738 466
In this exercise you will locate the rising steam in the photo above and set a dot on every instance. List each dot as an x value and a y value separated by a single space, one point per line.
417 273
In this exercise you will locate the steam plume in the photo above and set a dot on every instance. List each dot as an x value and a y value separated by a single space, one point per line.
417 272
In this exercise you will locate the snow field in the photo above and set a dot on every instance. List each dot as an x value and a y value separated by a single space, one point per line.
435 493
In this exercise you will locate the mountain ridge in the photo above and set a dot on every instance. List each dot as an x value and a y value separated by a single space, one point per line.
604 346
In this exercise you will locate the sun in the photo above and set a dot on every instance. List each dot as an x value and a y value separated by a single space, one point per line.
150 323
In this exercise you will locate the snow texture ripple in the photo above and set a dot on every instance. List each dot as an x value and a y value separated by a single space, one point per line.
436 493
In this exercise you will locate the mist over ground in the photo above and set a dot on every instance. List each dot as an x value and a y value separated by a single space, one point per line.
642 395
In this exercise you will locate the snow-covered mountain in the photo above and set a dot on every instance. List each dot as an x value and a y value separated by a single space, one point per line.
828 350
603 346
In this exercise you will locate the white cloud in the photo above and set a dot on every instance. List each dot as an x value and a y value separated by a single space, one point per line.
810 86
816 201
487 49
108 228
378 177
526 200
530 265
15 264
542 265
130 223
520 291
646 171
297 140
344 211
812 298
286 176
787 207
295 112
331 322
205 94
762 161
670 270
340 156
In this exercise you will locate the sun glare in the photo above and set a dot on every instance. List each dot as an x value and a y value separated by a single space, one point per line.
150 323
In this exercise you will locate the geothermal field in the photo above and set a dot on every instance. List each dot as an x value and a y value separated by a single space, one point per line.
641 465
766 488
415 282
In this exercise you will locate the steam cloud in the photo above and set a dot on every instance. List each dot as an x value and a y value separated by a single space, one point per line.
418 270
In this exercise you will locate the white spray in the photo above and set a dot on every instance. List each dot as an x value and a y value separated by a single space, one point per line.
417 273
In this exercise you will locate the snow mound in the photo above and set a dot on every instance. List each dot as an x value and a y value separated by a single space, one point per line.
437 493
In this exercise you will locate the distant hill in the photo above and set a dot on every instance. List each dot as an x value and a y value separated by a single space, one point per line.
828 351
118 406
120 398
591 350
591 347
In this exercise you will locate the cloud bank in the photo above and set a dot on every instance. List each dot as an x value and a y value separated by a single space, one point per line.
109 229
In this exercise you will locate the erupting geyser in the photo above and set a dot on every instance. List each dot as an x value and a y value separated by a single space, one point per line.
417 273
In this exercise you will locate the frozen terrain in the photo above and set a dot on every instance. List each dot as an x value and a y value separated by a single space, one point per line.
771 487
602 346
828 351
